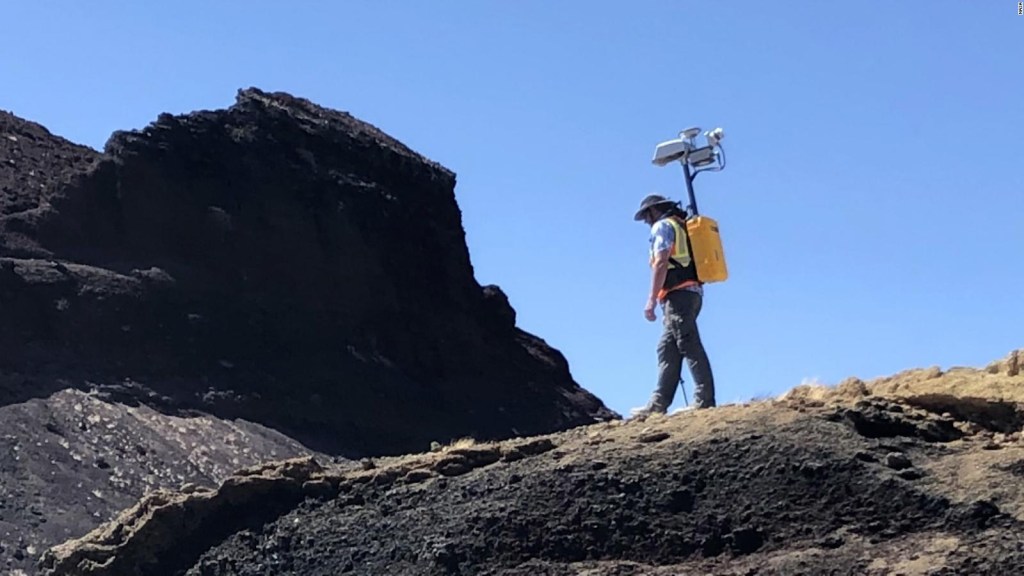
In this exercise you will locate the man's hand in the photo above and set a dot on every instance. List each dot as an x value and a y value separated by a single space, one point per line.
649 310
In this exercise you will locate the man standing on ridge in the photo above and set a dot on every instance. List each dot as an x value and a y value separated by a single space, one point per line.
674 284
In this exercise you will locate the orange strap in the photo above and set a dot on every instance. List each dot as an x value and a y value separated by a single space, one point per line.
663 293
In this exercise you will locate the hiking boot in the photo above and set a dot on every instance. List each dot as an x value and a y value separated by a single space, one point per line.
639 414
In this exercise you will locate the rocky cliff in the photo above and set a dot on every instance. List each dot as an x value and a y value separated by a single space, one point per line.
229 287
275 261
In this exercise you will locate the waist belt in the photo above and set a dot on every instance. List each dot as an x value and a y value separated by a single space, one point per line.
691 285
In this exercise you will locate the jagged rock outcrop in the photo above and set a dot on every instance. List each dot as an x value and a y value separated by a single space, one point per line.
167 530
874 483
1010 366
274 261
165 527
228 287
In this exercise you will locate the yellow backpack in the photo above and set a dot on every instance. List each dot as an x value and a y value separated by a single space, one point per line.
706 245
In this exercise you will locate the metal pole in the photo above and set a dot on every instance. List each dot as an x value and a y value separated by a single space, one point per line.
682 384
689 186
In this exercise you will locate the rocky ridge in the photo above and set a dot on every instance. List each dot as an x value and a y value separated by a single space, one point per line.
275 261
225 288
853 479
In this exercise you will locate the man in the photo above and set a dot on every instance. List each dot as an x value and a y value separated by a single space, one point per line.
674 284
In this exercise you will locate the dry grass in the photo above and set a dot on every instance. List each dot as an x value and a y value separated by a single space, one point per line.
457 444
461 444
1000 380
848 390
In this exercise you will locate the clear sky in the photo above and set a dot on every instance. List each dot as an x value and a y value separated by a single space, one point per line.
871 208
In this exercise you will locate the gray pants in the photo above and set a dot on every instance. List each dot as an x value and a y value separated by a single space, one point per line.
680 340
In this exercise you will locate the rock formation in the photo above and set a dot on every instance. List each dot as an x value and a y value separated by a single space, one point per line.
274 261
841 482
228 287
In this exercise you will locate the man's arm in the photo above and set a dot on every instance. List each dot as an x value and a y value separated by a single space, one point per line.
663 240
658 273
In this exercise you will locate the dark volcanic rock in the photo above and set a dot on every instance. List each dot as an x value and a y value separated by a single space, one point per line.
34 166
274 278
73 460
274 261
737 491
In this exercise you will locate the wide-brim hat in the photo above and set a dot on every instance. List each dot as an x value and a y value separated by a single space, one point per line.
650 202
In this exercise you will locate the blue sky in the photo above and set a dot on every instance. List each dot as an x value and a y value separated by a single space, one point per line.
871 209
